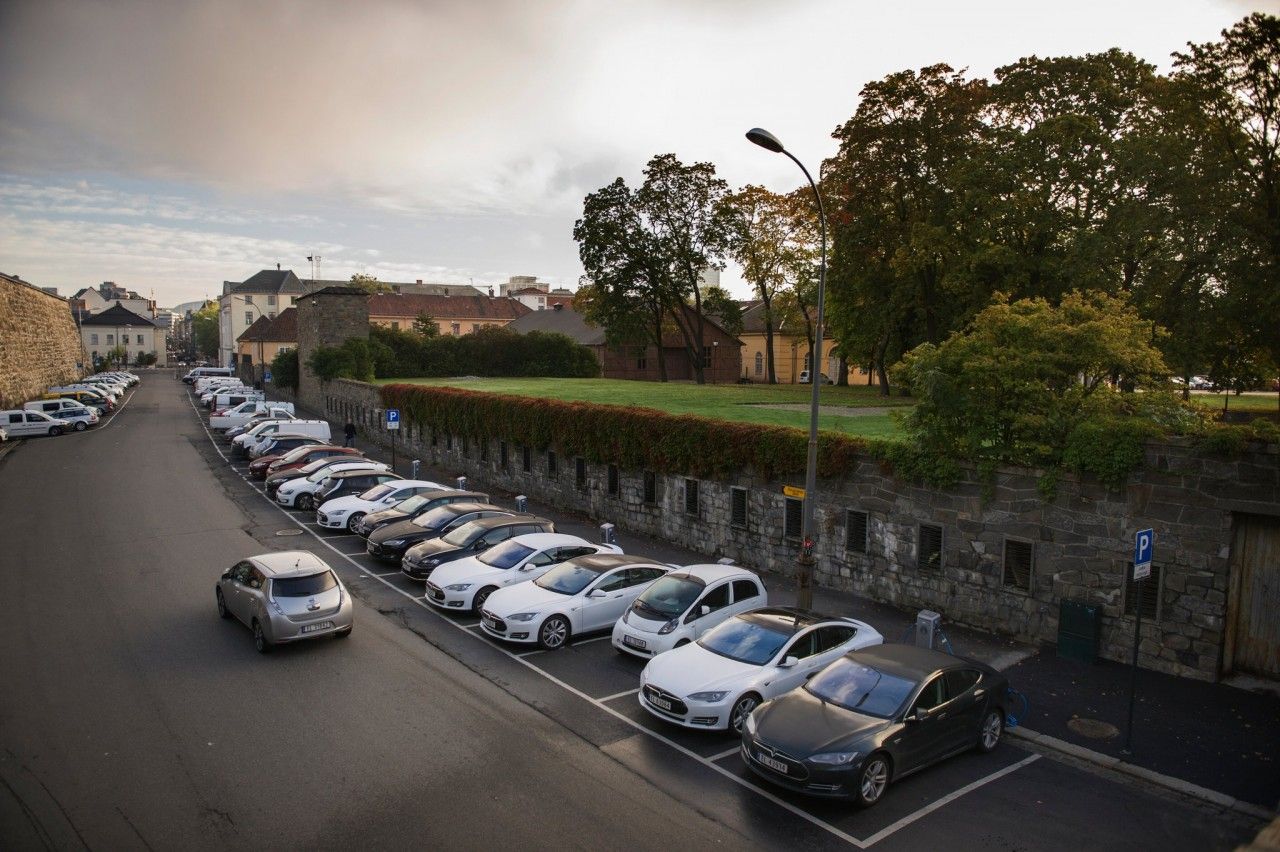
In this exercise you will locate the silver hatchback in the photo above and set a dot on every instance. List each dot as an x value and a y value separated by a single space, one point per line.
285 597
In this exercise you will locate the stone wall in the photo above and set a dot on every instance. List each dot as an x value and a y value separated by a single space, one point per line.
39 344
1075 547
327 317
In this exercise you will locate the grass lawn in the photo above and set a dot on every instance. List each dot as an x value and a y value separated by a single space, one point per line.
852 410
1255 401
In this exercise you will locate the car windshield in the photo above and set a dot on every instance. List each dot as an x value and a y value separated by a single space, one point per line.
312 467
436 519
567 579
412 504
463 534
506 555
860 688
669 596
303 587
296 453
377 492
321 472
744 641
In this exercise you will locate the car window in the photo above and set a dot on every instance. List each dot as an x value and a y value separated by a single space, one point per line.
494 536
32 417
548 557
961 681
933 694
302 587
834 636
717 598
614 581
649 574
803 646
573 552
15 418
240 573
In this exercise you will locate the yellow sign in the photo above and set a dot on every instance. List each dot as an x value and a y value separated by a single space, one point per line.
792 491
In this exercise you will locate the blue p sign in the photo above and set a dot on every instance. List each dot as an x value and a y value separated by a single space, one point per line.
1144 543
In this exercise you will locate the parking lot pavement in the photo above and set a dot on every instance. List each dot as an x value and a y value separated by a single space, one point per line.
972 800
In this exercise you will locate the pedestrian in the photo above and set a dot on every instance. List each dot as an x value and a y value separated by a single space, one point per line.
350 432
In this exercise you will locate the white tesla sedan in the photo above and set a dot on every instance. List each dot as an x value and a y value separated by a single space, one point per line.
578 596
717 681
347 511
300 492
467 583
685 604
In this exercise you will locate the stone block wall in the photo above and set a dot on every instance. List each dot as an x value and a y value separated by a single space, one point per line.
327 317
1078 546
39 343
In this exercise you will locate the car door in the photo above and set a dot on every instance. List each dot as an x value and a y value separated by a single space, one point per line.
604 601
16 425
235 593
36 423
747 595
924 737
717 601
965 703
804 648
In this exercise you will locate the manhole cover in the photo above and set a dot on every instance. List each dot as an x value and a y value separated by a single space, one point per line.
289 532
1093 729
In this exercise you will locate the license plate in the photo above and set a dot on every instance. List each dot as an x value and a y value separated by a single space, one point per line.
320 625
776 765
490 623
660 702
634 642
436 594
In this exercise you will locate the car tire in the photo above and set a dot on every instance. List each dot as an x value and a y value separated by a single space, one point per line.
353 520
991 731
477 602
260 641
304 502
54 431
741 710
680 644
81 425
553 633
873 780
223 612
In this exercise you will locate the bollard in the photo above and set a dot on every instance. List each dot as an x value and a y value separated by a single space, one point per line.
928 627
607 534
522 503
462 483
413 467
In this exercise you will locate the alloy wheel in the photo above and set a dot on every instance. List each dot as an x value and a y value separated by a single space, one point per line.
875 777
741 711
554 632
992 728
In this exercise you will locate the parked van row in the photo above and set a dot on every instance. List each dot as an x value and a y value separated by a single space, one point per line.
67 408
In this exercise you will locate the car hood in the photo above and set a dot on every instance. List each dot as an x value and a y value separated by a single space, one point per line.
385 516
801 724
432 547
469 570
692 668
401 529
526 597
349 503
646 623
285 475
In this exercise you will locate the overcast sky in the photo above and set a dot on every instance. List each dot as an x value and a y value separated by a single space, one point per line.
172 145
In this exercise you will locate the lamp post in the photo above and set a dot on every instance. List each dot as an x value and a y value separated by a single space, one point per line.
804 561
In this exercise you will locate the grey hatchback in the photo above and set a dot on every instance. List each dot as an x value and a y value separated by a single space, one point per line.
285 597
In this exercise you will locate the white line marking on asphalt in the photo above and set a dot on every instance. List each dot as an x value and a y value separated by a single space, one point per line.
522 653
589 641
622 695
947 799
722 755
475 626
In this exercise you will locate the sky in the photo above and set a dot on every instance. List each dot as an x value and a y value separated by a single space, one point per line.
169 146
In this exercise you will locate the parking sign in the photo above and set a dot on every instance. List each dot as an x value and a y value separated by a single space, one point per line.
1144 544
393 418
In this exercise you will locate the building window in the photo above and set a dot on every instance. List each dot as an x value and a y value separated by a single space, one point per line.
1152 590
111 338
691 496
855 531
448 442
580 473
1019 563
502 454
139 339
271 298
642 362
248 317
650 487
929 547
792 517
248 298
526 460
612 480
466 447
93 340
293 300
759 363
737 506
395 326
551 462
455 329
484 450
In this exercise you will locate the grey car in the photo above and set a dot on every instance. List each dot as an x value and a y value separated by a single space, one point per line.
285 597
874 716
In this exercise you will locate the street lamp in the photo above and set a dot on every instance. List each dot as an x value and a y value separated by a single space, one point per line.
804 562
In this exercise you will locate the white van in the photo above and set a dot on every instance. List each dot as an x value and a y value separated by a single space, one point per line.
26 424
79 415
223 398
318 429
200 372
203 386
246 411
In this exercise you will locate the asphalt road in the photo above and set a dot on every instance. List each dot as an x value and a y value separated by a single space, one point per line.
132 717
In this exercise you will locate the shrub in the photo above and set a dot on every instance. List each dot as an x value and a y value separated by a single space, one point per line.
487 352
284 369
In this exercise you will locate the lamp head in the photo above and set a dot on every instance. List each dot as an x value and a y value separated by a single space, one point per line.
765 139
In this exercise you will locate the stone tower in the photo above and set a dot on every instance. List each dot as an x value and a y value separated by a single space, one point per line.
327 317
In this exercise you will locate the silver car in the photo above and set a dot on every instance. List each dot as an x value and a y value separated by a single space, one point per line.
285 597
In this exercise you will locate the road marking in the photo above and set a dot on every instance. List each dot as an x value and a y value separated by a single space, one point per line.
589 641
622 695
475 626
522 653
722 755
102 427
947 799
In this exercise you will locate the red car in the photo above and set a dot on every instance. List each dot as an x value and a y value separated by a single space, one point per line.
260 468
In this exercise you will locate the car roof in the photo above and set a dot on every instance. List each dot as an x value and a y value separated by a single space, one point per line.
601 562
538 541
462 507
709 573
909 661
350 474
788 619
289 563
507 520
407 483
473 496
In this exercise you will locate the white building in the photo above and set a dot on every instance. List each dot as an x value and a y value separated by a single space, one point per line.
118 326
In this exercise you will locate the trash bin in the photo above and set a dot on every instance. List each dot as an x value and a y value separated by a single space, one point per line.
1079 631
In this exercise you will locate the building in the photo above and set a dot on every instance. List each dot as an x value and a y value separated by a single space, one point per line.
790 351
264 294
118 326
258 346
108 293
455 315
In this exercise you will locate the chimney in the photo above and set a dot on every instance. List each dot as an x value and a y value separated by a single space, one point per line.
277 267
419 281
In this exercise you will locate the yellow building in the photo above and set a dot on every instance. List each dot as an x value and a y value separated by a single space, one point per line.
790 352
455 315
259 344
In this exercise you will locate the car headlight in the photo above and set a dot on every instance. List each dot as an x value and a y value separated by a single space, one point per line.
750 724
626 617
337 513
431 563
668 627
458 587
395 542
522 616
835 758
708 696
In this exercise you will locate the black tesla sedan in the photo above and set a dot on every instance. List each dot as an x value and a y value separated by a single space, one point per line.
390 542
872 717
419 504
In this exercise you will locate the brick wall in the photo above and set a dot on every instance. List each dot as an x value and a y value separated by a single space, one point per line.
39 344
1078 545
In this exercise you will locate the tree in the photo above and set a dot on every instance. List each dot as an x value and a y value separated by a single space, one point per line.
284 369
425 325
204 328
719 303
330 362
369 284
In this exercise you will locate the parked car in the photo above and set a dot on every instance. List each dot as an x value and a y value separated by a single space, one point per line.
300 493
275 480
318 429
236 415
467 583
716 682
413 508
224 399
1201 383
350 483
263 466
101 390
27 424
804 378
392 541
872 717
579 596
257 420
285 597
685 604
281 444
93 399
79 415
346 512
202 372
473 537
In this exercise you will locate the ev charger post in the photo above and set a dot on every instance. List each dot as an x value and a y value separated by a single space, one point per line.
1144 545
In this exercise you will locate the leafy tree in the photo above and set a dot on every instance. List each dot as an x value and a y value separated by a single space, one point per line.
330 362
425 325
145 359
284 369
369 283
719 303
204 329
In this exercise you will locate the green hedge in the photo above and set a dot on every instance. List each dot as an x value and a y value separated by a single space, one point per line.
632 438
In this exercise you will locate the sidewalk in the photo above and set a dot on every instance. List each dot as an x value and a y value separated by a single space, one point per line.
1215 736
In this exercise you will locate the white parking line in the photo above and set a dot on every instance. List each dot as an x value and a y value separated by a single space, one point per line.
475 626
622 695
722 755
600 704
589 641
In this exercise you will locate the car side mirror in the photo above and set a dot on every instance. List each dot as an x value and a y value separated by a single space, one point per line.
388 501
789 663
704 610
917 715
596 593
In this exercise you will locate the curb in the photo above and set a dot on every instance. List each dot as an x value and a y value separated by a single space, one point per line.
1177 785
